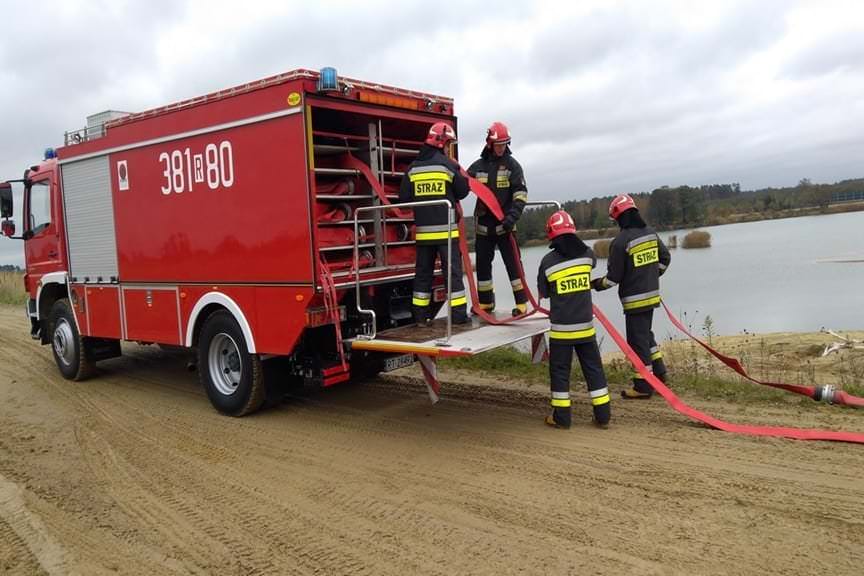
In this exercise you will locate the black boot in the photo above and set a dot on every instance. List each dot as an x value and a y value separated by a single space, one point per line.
421 317
602 415
560 418
641 390
460 318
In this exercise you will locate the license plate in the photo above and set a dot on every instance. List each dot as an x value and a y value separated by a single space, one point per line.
397 362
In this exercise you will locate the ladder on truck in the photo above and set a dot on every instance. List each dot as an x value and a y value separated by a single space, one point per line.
442 339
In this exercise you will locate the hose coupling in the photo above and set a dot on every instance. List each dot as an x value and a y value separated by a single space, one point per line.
824 394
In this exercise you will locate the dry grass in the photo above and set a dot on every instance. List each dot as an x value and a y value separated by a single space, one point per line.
601 248
697 239
12 288
783 357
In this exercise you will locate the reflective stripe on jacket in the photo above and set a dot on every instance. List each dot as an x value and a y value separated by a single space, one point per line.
433 176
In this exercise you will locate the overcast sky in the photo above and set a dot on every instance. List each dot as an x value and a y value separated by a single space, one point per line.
601 97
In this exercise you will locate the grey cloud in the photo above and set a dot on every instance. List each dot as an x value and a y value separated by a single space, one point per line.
843 53
11 252
620 37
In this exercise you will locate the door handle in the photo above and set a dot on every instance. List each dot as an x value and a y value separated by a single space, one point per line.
52 253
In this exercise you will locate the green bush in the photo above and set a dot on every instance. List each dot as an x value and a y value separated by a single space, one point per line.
697 239
601 248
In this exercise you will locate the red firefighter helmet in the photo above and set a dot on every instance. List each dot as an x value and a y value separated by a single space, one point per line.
440 134
620 204
560 223
498 133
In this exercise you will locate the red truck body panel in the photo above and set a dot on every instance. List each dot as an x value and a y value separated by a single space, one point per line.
256 230
103 310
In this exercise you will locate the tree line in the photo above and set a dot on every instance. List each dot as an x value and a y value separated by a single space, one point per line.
691 206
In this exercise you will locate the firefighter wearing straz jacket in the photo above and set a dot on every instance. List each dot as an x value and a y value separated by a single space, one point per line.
434 175
565 278
503 175
637 259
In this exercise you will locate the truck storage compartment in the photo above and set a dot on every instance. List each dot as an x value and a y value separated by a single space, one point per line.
353 154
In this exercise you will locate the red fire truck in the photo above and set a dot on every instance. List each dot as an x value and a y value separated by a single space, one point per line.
228 225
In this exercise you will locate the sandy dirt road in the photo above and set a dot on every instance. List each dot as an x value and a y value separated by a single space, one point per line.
134 473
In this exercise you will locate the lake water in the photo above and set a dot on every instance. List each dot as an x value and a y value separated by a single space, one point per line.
768 276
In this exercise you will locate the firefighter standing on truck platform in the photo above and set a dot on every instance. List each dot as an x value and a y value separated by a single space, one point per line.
565 278
435 176
503 175
637 259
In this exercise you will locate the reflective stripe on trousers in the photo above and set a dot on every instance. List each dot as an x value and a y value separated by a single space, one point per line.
560 399
458 298
435 232
644 300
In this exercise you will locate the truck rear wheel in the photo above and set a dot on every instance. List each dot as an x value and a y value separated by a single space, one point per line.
71 350
232 377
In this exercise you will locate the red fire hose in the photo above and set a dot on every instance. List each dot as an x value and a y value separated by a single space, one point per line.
678 405
357 164
469 273
488 197
824 393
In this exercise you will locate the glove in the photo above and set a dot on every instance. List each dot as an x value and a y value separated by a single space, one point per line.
598 284
508 223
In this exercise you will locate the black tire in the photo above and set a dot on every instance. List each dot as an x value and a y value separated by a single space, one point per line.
72 352
232 377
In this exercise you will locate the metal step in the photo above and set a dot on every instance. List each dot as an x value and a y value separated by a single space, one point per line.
467 339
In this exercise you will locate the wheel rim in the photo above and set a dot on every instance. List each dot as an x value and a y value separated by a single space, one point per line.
226 369
64 342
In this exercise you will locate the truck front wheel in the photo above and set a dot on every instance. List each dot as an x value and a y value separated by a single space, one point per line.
232 377
71 350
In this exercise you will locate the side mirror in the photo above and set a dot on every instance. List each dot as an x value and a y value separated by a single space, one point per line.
8 228
5 200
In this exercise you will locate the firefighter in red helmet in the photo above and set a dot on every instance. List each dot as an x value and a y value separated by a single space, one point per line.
565 278
637 259
434 175
499 170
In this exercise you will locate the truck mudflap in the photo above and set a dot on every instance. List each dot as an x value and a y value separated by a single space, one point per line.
428 343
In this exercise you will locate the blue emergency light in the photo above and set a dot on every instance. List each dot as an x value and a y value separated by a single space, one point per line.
50 153
328 81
